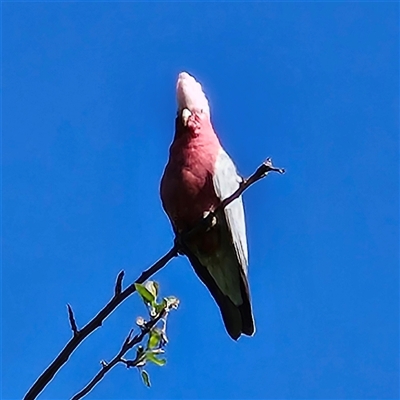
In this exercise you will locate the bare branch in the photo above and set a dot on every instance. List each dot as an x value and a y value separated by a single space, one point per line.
118 283
72 321
118 298
128 338
260 173
128 344
91 326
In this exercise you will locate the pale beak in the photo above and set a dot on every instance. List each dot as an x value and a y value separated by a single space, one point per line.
185 116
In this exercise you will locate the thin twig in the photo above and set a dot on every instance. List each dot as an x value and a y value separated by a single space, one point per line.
260 173
118 283
118 298
128 344
95 323
72 321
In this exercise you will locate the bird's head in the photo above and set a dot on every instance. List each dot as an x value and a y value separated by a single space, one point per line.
190 97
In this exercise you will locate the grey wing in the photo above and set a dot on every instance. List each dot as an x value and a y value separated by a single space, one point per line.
226 181
224 271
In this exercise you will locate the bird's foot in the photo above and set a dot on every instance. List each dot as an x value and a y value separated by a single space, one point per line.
208 222
210 219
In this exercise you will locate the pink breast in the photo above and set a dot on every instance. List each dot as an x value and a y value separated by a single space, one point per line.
187 188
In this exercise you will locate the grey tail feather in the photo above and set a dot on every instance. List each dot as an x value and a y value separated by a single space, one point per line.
245 309
237 319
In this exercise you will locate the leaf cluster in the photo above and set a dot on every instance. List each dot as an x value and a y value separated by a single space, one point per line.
154 350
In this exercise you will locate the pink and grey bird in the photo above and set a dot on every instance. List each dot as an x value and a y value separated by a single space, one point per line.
200 174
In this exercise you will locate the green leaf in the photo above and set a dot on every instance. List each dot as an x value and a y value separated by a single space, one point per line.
145 378
154 339
152 287
147 296
152 358
160 307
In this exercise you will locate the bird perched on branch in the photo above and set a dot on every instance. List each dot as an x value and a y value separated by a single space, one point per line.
200 174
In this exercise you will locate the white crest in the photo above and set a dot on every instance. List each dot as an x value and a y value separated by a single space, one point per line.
190 95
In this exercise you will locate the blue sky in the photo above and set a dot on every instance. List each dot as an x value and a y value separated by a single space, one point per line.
87 117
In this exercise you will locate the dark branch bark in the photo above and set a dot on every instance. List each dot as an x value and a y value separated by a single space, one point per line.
260 173
118 283
120 296
72 321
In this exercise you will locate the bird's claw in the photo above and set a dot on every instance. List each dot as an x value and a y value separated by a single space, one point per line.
212 219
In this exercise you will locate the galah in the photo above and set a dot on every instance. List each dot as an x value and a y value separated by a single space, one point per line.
200 174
